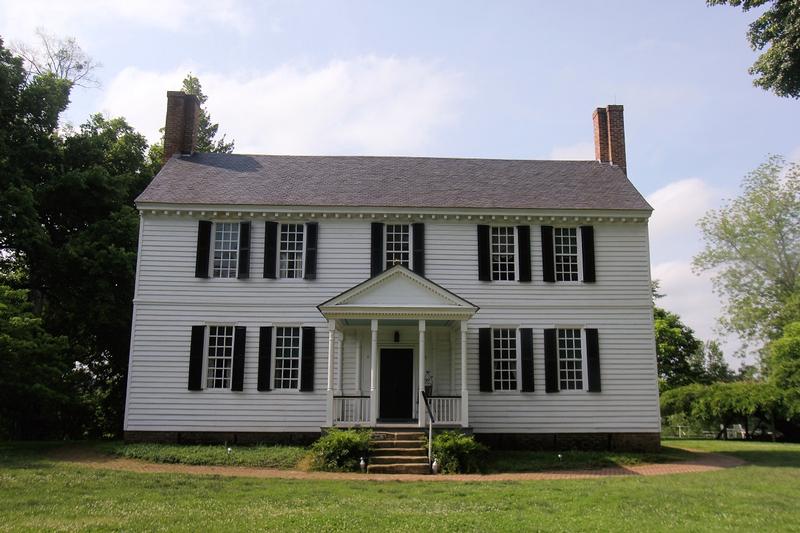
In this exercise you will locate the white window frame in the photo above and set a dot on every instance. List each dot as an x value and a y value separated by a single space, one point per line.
206 344
579 242
584 367
303 251
273 358
214 225
516 253
516 359
386 264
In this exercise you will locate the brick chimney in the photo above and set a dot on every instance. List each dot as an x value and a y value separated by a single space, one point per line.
180 129
609 136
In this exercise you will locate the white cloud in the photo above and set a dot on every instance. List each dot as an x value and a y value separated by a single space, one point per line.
581 151
67 17
367 105
677 207
674 239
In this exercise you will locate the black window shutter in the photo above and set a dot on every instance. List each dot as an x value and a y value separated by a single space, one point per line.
587 251
548 261
526 339
418 238
239 341
310 269
484 259
270 250
244 251
264 357
376 247
593 359
485 359
550 361
203 249
524 238
196 358
307 363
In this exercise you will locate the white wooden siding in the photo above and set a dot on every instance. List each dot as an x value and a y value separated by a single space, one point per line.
170 300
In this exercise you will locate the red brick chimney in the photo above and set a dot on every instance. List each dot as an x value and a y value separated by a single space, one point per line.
180 129
609 136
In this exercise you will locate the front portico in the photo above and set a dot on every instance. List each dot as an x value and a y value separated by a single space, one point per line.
390 339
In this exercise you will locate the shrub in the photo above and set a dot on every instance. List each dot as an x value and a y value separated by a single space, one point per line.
341 450
458 453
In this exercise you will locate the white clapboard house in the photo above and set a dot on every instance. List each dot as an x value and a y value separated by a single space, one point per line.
277 296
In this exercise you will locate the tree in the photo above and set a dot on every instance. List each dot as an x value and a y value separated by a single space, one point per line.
32 387
676 349
61 57
752 249
778 30
784 367
207 130
70 225
712 362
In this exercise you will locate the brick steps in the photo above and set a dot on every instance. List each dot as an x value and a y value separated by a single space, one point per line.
398 452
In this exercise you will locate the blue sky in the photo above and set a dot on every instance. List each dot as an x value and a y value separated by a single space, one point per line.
471 79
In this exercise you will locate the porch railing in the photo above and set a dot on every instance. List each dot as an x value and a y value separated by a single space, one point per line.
350 410
446 409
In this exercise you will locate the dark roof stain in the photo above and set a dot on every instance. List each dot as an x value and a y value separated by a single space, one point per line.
424 182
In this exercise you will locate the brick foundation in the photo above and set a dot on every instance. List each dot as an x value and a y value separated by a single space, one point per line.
220 437
630 442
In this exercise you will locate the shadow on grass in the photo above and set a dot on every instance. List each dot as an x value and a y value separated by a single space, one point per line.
520 461
28 454
769 454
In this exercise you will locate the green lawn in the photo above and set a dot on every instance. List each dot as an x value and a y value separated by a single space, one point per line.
37 493
283 457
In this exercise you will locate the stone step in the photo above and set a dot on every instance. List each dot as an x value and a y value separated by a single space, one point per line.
383 452
398 459
399 468
396 443
397 435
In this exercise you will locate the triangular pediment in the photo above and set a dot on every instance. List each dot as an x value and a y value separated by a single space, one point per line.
397 288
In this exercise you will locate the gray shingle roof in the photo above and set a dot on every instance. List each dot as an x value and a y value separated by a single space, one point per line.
345 181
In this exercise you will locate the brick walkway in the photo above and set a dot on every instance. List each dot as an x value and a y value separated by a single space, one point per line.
703 462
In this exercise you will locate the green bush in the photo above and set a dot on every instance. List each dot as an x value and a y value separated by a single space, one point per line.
341 450
458 453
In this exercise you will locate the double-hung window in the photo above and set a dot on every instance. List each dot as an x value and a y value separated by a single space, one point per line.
565 242
226 250
504 358
503 253
219 362
290 259
570 359
398 245
287 357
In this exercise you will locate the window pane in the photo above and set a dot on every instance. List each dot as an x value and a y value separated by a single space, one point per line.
291 251
226 249
502 251
504 359
220 357
287 358
570 360
397 245
565 241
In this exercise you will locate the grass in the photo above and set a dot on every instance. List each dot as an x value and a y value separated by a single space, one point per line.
283 457
527 461
38 493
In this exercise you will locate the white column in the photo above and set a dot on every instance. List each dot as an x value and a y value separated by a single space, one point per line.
373 374
329 391
421 413
358 363
464 392
340 361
